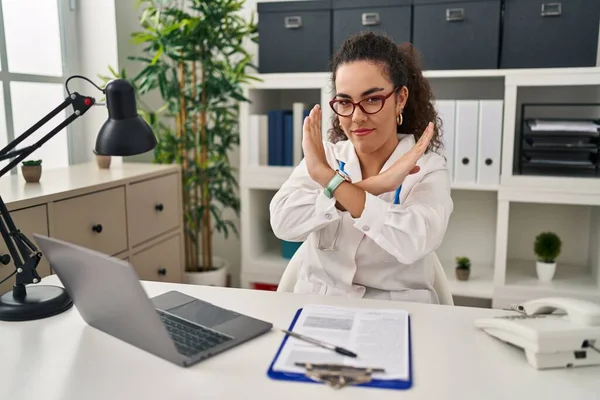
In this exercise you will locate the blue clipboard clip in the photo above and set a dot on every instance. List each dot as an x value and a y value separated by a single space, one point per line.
338 376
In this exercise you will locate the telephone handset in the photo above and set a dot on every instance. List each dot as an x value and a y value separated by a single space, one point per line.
578 311
550 339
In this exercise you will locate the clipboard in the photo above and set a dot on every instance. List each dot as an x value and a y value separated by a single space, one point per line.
375 383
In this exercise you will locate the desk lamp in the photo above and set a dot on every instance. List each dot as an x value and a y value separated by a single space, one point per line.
124 133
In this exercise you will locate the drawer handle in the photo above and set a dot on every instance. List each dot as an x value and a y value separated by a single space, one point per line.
162 271
370 18
293 22
97 228
455 14
551 9
159 207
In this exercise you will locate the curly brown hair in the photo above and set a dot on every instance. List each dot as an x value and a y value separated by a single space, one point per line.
402 65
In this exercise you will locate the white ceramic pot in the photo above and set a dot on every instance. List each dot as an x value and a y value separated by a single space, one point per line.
545 271
216 277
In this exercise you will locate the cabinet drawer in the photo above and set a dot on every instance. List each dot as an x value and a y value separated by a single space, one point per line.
294 36
453 34
153 207
96 221
392 17
161 262
29 221
548 33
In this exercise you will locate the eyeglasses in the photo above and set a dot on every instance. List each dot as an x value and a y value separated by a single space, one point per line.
370 105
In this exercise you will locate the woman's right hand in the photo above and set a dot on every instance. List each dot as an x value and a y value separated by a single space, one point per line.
393 177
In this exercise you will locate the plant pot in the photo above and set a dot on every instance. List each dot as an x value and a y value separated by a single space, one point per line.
462 274
31 173
103 162
545 271
216 277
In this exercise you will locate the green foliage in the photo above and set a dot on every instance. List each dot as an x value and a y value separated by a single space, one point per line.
463 263
32 162
547 246
194 54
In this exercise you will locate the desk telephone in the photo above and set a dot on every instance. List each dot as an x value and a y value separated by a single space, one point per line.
551 340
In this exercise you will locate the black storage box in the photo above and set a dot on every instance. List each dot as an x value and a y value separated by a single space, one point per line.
294 36
392 17
453 34
549 33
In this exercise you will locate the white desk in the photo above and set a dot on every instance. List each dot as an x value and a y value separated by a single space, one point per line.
63 358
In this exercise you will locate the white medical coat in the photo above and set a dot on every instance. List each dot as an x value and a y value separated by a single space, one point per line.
386 252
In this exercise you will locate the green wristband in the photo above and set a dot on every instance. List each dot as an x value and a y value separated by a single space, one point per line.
332 185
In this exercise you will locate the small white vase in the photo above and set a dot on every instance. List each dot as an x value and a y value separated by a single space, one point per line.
216 277
545 271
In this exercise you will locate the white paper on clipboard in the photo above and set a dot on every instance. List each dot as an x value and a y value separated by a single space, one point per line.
380 338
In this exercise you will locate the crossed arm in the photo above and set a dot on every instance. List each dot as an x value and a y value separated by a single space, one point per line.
408 231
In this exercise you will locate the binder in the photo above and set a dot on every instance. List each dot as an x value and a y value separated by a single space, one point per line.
257 140
300 112
375 383
467 121
490 141
446 110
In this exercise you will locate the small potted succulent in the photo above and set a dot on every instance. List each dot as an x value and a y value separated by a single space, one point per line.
547 247
32 170
102 161
463 268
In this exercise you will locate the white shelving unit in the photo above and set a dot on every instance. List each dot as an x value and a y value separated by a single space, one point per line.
493 225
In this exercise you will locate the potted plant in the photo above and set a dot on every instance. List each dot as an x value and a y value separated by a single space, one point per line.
463 268
103 161
547 247
194 55
32 170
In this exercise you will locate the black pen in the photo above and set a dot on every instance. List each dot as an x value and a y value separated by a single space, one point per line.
316 342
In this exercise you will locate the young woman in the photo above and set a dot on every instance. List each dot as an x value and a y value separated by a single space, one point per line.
372 204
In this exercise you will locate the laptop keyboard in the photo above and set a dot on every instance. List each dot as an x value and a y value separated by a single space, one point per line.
189 338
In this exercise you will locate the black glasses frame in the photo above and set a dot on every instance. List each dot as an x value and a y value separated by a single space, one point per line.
383 98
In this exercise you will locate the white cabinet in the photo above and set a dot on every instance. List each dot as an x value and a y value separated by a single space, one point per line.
130 211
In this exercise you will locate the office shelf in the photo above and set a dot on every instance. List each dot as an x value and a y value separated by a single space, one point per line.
479 285
568 280
490 222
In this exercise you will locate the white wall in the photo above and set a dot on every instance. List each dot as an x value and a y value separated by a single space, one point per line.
97 49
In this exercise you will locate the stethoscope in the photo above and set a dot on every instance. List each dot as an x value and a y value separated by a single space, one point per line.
332 247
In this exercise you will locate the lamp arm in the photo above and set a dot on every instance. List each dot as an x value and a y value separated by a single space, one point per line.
68 101
24 253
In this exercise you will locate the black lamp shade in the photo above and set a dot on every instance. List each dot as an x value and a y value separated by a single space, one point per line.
124 133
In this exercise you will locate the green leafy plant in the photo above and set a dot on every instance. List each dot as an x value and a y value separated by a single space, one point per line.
32 162
194 54
547 247
463 263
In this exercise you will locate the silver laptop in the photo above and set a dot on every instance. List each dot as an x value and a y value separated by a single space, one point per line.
174 326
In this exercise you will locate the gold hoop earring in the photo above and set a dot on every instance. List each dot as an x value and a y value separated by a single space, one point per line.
399 119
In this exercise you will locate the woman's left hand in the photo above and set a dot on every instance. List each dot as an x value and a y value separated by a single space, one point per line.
312 144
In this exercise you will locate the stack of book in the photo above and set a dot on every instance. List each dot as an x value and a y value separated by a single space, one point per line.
276 137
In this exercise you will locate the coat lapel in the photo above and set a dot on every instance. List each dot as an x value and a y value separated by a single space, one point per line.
352 164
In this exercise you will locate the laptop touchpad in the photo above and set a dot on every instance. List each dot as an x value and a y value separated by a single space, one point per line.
203 313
